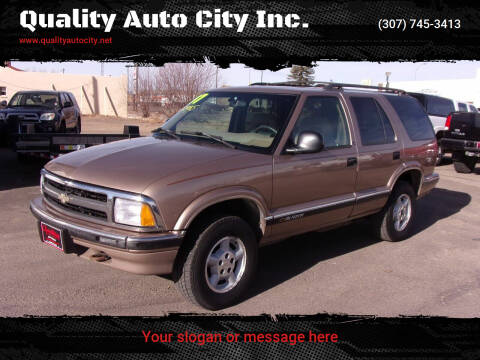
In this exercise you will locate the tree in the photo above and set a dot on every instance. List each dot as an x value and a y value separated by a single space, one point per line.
304 75
146 90
180 83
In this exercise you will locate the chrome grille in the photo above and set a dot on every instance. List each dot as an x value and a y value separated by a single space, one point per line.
81 202
23 117
90 202
80 209
78 192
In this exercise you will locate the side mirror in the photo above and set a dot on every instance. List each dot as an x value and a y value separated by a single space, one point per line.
67 104
308 142
3 103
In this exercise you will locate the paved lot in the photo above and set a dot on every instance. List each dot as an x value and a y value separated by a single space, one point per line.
436 272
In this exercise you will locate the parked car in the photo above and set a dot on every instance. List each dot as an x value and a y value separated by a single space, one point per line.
461 106
41 112
236 169
462 139
438 108
472 108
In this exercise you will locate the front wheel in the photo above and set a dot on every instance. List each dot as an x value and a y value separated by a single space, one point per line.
78 127
395 221
221 265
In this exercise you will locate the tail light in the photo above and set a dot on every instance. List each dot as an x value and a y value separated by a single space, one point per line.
448 121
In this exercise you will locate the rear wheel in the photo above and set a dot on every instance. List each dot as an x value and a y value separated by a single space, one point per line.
464 164
440 155
396 219
221 265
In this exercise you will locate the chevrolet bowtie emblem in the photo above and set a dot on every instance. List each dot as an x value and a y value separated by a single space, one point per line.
63 198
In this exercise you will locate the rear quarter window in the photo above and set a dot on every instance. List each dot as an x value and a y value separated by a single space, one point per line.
413 117
439 106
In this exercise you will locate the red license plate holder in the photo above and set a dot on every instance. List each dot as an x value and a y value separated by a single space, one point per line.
52 236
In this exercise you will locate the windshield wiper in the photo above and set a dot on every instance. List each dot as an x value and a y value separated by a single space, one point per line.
213 137
168 132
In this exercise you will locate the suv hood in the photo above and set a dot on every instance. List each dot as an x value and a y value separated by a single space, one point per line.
132 165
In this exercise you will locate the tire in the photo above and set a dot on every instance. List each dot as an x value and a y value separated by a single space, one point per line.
214 242
440 156
78 127
63 128
23 158
384 224
465 164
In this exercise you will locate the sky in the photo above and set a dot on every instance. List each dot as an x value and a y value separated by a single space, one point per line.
239 74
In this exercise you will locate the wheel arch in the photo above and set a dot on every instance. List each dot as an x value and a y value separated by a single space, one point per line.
411 173
243 202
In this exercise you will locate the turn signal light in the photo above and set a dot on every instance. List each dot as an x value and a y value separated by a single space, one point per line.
146 216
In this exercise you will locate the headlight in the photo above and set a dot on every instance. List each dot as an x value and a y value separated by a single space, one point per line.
130 212
47 116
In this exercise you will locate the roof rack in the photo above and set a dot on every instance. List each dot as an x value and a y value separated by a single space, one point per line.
333 85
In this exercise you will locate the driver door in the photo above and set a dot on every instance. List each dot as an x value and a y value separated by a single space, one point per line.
314 190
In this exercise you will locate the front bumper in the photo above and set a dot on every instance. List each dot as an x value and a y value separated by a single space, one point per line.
140 253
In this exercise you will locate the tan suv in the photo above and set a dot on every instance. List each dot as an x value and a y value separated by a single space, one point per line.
235 169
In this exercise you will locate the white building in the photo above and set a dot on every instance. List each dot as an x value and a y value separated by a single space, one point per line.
104 95
467 90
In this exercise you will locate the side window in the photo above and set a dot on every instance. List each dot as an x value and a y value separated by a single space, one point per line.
324 115
413 117
67 98
374 125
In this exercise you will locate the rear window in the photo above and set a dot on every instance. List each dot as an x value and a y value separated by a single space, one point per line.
413 117
375 128
462 107
439 106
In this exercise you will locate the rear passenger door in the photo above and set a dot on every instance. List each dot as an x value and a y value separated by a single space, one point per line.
379 152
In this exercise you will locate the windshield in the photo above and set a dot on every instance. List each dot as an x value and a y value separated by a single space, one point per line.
243 119
34 99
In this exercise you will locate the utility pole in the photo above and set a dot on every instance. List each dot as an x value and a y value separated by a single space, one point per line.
136 87
101 69
387 75
216 76
261 76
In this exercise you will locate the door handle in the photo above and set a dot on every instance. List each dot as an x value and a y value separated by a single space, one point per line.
351 161
396 155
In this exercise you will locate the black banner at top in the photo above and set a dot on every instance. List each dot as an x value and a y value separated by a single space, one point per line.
262 34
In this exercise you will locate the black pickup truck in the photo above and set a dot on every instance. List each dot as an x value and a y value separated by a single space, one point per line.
462 139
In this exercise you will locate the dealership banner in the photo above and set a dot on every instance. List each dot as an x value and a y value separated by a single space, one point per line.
235 337
261 34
